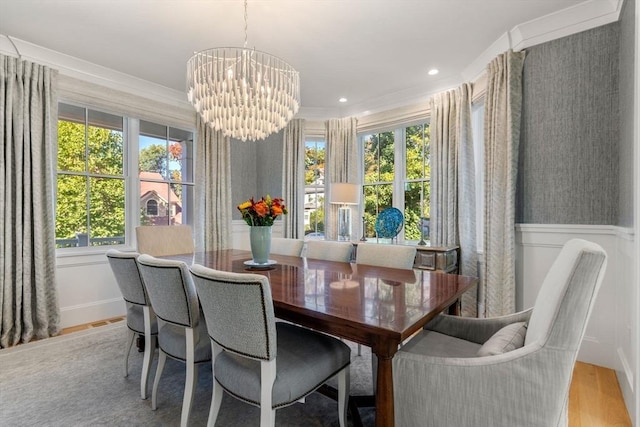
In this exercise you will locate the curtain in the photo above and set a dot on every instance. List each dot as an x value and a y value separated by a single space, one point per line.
293 179
28 120
342 165
503 102
213 201
453 187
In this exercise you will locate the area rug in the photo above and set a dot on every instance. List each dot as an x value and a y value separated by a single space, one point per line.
77 380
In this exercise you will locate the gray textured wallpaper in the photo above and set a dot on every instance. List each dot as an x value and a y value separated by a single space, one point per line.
569 146
627 60
256 169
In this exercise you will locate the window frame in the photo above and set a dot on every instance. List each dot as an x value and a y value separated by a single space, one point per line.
400 178
130 131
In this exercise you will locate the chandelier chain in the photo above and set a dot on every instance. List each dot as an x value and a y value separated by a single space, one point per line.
246 23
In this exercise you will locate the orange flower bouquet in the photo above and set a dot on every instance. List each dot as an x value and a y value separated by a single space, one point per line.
262 212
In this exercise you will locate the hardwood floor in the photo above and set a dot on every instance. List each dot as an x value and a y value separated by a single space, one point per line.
595 399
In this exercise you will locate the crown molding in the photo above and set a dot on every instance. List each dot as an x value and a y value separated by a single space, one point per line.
92 73
565 22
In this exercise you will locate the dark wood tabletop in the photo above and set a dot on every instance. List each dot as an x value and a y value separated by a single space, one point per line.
374 306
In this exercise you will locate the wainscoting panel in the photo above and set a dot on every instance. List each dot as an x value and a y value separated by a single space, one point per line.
537 247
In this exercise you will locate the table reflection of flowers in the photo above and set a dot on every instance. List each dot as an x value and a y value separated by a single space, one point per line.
262 212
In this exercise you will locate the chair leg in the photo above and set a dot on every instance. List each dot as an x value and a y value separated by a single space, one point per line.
162 358
267 378
344 389
217 390
149 351
189 390
130 338
216 400
190 379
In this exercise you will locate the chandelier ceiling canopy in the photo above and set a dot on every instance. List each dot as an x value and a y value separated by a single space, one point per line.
245 93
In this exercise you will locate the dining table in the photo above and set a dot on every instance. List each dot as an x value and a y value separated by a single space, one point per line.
374 306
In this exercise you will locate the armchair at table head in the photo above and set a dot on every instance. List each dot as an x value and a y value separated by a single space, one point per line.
163 240
247 341
513 370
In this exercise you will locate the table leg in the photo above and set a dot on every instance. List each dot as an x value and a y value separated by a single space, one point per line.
384 392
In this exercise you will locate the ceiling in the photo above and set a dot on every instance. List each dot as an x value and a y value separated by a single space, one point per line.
373 52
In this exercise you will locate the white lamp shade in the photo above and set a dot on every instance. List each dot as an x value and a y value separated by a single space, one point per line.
345 193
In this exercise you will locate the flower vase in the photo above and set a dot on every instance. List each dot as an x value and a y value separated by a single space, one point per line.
260 237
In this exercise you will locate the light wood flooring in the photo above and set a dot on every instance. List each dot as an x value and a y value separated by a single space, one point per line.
595 399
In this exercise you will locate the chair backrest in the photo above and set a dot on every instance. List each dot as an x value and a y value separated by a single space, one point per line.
382 255
329 250
162 240
171 290
283 246
125 270
238 310
566 298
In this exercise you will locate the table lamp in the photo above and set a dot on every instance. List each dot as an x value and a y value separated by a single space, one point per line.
344 194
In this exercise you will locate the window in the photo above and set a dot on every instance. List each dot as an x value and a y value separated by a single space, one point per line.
94 199
417 184
314 189
90 202
398 175
152 208
379 176
165 162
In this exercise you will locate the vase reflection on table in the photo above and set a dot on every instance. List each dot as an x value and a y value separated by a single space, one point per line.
259 215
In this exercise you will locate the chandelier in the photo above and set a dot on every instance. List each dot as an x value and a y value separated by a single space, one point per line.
245 93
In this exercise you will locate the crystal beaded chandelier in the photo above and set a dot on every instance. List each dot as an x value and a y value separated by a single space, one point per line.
245 93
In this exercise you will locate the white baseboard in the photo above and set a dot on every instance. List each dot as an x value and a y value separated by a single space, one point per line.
91 312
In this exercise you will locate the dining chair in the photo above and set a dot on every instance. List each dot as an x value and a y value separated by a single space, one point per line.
258 360
513 370
285 246
383 255
163 240
141 320
329 250
182 333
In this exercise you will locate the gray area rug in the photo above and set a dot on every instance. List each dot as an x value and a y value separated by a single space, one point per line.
77 380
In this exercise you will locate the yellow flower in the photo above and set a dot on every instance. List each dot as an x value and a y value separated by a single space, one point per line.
245 205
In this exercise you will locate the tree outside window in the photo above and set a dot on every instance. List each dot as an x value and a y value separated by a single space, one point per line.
314 206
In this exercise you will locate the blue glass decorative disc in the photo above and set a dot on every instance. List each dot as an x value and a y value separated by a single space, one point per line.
389 223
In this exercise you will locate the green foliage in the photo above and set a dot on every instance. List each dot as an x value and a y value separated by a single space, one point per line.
104 149
153 159
379 176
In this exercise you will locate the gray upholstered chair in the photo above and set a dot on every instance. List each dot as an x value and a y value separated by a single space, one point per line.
182 333
284 246
141 320
382 255
162 240
257 360
329 250
513 370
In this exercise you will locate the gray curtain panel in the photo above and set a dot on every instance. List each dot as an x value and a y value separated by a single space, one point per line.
293 179
342 165
453 186
28 119
213 201
503 103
